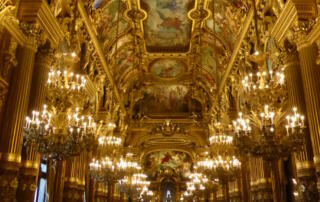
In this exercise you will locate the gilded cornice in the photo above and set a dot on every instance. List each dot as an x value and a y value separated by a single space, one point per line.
50 24
288 25
287 17
12 24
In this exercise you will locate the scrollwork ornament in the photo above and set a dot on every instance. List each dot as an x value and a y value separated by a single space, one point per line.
300 31
288 52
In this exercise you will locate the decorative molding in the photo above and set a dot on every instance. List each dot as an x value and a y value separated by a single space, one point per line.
286 19
50 24
236 49
306 9
96 43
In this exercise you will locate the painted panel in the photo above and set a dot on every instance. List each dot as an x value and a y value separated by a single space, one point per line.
158 162
167 24
228 16
107 22
167 68
167 99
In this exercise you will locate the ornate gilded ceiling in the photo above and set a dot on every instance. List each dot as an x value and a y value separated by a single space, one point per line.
167 61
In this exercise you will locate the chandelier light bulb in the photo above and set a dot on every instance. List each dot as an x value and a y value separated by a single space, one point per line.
262 80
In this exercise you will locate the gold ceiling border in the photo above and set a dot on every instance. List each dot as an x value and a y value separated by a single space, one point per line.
112 43
101 56
199 5
237 48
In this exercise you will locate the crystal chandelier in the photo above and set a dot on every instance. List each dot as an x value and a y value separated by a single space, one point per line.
108 143
272 139
134 185
262 80
222 164
220 141
199 183
106 169
60 129
146 194
58 135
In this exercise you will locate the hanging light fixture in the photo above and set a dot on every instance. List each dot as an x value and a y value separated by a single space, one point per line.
60 129
278 136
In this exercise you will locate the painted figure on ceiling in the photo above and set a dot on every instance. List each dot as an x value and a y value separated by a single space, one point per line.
171 5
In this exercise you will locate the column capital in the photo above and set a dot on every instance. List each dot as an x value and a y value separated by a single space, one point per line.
300 31
33 33
288 53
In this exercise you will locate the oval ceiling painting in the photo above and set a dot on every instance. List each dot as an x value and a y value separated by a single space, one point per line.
167 68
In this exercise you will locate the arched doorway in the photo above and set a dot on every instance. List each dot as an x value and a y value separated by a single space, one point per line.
168 191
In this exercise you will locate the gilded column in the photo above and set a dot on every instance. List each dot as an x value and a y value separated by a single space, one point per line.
245 179
30 158
74 179
11 129
55 178
101 194
305 168
311 84
110 191
7 63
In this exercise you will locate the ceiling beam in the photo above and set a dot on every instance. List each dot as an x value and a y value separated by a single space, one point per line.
99 51
236 49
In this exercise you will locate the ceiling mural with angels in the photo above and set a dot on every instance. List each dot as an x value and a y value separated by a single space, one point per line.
167 62
108 23
167 25
157 163
168 68
229 15
167 99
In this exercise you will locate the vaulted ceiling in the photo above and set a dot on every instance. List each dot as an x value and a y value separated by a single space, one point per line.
167 58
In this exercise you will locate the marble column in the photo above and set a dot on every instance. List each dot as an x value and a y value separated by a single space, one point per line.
310 73
74 179
305 168
12 124
30 158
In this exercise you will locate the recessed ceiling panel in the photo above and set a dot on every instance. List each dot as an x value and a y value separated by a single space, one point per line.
167 27
167 68
162 99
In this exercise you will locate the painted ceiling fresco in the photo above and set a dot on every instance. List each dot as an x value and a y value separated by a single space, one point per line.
107 21
156 163
225 12
209 61
167 99
125 60
167 25
167 68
